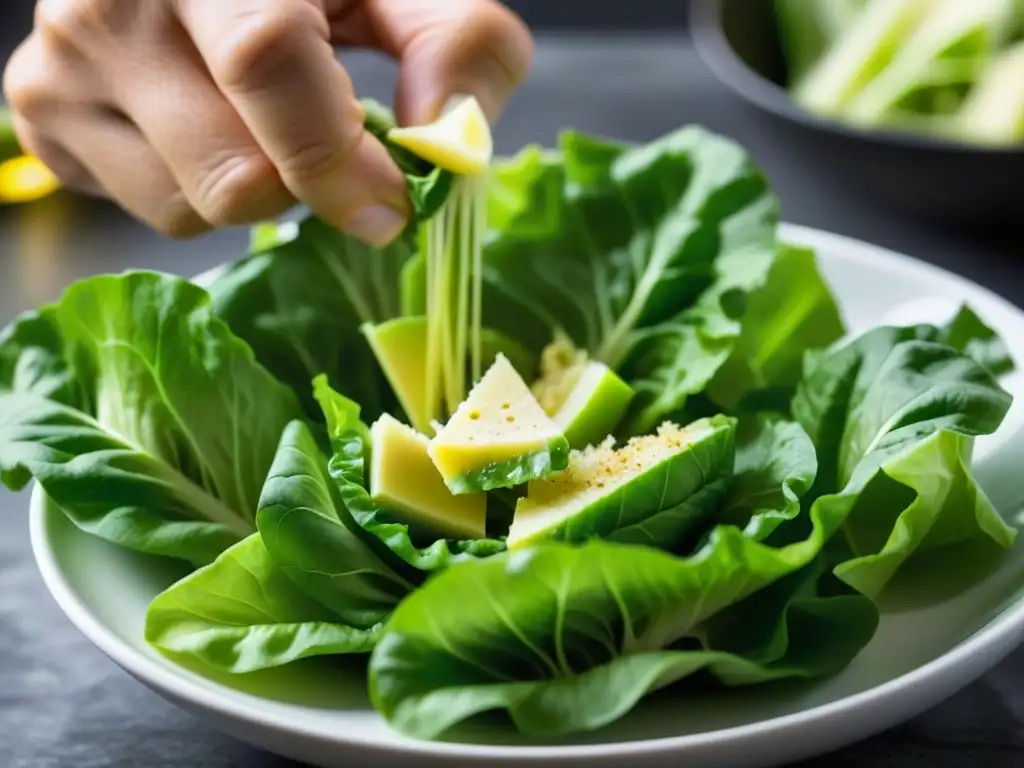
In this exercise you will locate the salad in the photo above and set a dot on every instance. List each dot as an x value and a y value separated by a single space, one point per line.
944 67
588 428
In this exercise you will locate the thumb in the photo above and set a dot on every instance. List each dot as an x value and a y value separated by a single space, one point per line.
449 47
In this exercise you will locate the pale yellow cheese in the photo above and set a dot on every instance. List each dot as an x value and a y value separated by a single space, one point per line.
594 473
405 481
501 420
400 346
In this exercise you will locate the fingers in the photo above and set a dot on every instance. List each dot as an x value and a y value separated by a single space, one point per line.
65 166
449 47
29 90
59 100
194 113
124 162
215 161
273 62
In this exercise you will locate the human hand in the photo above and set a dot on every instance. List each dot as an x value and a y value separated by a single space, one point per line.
195 114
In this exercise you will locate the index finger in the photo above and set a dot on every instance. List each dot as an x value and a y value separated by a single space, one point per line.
273 61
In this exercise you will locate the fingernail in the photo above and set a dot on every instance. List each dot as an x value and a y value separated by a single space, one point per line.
375 224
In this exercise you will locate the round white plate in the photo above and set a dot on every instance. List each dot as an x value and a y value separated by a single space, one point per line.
318 711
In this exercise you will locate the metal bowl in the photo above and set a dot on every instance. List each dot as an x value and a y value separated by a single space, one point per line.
941 180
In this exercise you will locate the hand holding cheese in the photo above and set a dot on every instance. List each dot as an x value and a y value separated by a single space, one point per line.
195 114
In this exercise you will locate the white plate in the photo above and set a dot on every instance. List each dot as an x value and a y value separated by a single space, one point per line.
318 711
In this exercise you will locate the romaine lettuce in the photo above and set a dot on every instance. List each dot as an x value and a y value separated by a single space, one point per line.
161 427
570 638
351 443
311 535
264 620
893 415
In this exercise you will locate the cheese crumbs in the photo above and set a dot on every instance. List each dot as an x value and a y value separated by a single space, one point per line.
597 469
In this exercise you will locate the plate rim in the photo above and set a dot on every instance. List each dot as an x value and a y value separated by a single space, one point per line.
976 654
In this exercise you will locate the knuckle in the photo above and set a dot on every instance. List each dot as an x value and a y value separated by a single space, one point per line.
312 160
259 46
68 20
235 187
25 85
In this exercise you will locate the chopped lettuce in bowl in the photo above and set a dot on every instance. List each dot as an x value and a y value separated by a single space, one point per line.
446 508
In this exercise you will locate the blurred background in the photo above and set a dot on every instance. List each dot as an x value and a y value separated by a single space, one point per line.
16 15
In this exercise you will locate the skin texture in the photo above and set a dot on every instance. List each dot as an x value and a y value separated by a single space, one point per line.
194 114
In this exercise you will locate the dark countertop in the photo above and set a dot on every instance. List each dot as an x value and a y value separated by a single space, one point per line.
64 705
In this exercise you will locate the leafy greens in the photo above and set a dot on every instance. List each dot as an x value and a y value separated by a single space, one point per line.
895 407
583 631
351 444
141 415
264 621
228 428
587 631
643 256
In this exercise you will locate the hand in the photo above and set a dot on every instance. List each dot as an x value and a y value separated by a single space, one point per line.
195 114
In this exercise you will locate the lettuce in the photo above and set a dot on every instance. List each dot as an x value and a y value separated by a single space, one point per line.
351 443
311 536
182 423
141 415
643 256
299 305
893 415
570 638
263 621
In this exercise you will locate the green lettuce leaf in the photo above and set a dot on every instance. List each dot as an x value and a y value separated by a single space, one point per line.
775 468
893 416
968 333
807 624
669 505
642 255
299 305
568 638
241 614
350 439
793 312
32 359
163 425
312 537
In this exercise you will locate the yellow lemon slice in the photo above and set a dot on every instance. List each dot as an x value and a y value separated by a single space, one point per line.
459 141
24 179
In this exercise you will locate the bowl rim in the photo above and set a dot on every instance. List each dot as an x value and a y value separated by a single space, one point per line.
908 694
713 47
